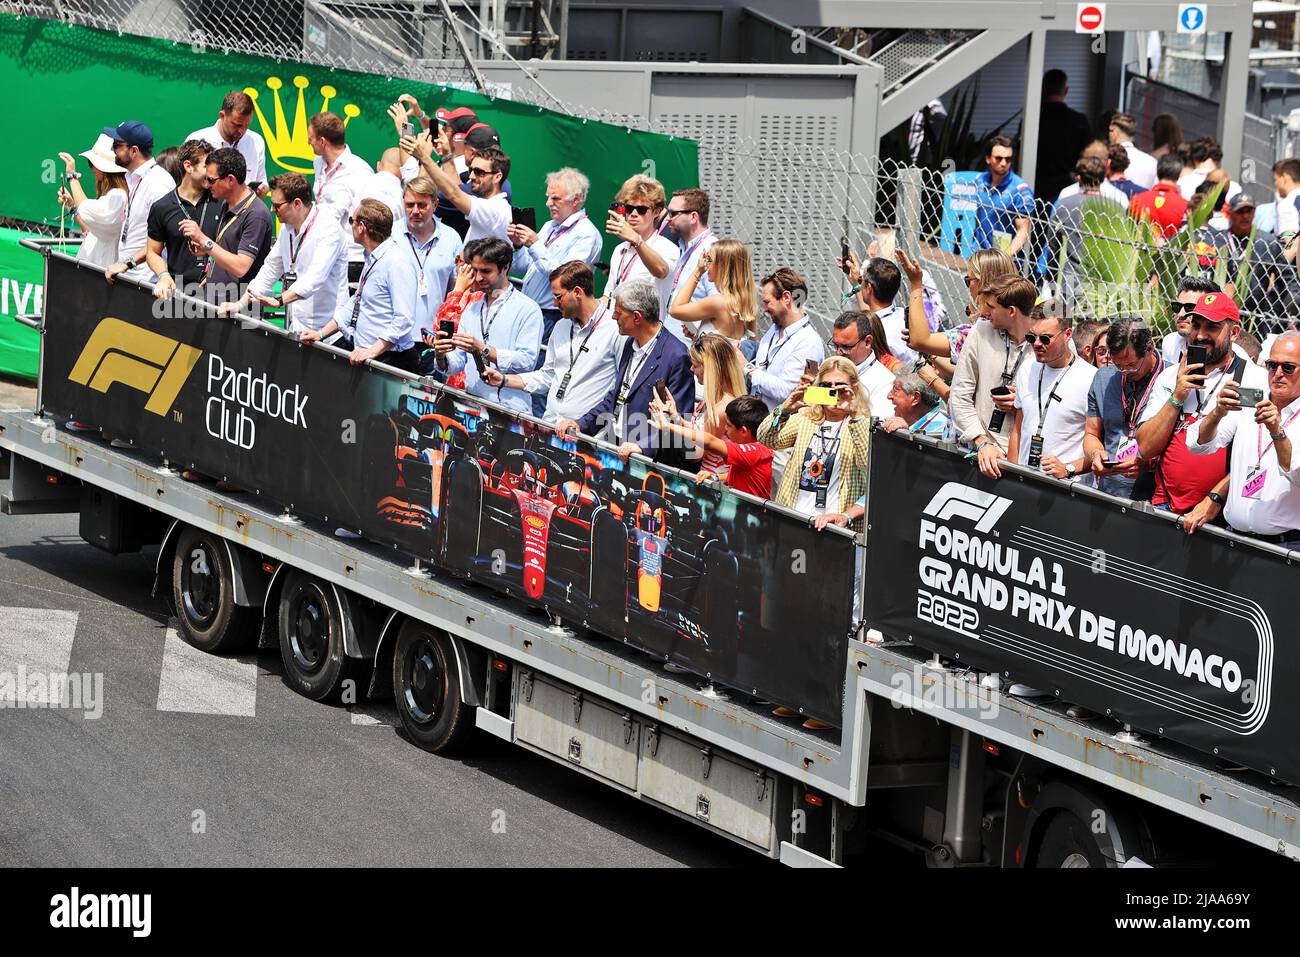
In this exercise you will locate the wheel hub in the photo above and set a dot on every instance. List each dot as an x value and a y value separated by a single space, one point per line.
201 589
425 677
311 627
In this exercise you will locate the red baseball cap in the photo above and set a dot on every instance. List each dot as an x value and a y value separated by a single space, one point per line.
1217 307
459 119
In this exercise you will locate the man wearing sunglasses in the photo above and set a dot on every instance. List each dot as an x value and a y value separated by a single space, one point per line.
1263 498
1193 485
486 206
236 250
1051 400
851 338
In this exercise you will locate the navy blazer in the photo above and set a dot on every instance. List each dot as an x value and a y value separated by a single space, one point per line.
668 360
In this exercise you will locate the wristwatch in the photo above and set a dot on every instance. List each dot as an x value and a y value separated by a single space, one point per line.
207 247
1069 468
486 353
1216 498
68 177
1278 436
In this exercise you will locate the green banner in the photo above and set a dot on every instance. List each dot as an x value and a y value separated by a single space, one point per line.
66 83
21 293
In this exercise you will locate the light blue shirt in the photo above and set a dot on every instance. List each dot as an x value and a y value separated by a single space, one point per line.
437 258
577 239
780 360
690 258
388 300
513 326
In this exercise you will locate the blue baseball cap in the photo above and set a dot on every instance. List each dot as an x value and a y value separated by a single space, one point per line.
132 133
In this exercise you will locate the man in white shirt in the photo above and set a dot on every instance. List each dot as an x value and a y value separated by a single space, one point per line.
146 183
851 338
1142 166
881 280
585 347
1263 497
1286 178
1052 402
789 344
644 254
232 130
1205 155
309 255
386 186
504 328
568 236
342 178
486 207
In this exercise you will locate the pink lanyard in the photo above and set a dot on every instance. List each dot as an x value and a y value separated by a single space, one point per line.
1259 438
686 256
302 239
1142 402
564 229
327 175
628 262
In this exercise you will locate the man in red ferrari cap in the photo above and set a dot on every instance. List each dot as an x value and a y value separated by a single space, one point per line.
1194 485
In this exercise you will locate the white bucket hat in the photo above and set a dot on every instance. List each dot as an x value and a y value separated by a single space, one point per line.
101 156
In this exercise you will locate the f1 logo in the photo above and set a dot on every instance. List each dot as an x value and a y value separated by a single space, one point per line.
955 499
146 361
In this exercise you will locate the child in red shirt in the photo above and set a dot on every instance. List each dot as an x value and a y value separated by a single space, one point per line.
750 462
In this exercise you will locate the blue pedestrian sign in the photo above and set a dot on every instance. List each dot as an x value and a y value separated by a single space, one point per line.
1191 17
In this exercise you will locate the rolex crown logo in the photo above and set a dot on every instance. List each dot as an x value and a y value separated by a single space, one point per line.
288 144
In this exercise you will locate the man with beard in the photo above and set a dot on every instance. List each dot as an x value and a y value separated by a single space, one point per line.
1194 485
231 130
1119 395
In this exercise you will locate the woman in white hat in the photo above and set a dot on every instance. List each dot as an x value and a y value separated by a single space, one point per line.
101 218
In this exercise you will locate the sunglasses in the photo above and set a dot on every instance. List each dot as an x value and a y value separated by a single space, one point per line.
1100 351
1288 368
1182 306
968 279
209 180
624 208
477 171
1042 340
680 212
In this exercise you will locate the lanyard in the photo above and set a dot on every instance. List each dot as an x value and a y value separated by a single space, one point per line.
1043 409
361 284
632 372
1259 438
302 239
415 250
686 256
486 318
207 268
1139 404
1007 377
568 374
328 174
628 262
771 352
1200 401
828 447
203 213
130 200
556 234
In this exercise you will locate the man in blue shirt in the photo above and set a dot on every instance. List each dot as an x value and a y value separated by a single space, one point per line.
378 322
1005 202
431 245
504 328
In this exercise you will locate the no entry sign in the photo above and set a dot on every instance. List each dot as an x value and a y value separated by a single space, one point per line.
1090 18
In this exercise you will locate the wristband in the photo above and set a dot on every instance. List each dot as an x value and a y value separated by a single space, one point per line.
1278 436
1175 403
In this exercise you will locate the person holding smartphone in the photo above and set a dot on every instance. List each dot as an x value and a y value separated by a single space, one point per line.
1120 393
1263 497
643 254
1193 486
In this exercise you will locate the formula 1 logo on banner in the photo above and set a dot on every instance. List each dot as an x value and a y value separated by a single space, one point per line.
156 365
982 508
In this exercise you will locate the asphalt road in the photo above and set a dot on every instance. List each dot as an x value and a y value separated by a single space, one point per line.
256 775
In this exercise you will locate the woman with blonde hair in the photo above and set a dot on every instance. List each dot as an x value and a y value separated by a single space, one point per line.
715 363
99 217
732 311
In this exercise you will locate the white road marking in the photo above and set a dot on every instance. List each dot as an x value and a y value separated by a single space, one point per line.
374 715
34 642
196 682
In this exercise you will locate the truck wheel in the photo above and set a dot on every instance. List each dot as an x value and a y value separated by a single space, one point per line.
203 589
1067 842
311 637
426 687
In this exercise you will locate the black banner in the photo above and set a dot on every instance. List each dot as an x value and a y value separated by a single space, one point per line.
1108 607
710 579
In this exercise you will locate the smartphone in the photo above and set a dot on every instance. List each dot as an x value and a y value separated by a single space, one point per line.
844 254
524 216
447 327
1197 354
408 129
661 389
811 366
426 332
1113 463
820 395
479 364
1250 397
999 390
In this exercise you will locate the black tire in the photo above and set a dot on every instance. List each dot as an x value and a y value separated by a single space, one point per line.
203 590
426 689
311 638
1068 843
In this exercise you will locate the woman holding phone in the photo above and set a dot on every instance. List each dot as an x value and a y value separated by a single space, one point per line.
983 267
825 425
733 310
720 370
100 218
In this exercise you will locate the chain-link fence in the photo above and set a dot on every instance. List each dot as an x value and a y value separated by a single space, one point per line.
791 203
